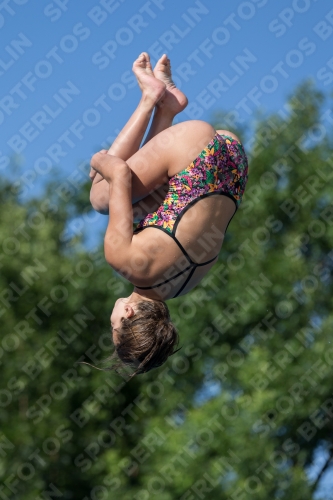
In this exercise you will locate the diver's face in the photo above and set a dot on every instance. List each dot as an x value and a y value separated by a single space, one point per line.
121 309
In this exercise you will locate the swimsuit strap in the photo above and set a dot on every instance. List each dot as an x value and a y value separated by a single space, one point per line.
166 281
183 250
194 266
191 274
185 283
207 261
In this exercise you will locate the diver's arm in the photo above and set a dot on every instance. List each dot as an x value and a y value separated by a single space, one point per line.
119 232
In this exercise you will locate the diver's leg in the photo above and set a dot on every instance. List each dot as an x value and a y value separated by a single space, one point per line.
172 103
169 152
164 156
130 137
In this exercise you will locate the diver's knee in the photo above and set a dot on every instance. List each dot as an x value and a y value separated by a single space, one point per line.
98 203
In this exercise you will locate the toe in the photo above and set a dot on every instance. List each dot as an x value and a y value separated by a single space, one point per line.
147 60
160 61
137 63
140 59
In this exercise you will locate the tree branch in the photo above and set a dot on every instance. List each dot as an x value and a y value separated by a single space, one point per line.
326 465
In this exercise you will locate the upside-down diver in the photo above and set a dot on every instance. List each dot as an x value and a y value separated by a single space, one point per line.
184 184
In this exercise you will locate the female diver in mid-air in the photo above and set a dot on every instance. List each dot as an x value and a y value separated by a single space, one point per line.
184 185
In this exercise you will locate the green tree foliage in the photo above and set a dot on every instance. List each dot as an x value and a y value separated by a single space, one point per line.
242 409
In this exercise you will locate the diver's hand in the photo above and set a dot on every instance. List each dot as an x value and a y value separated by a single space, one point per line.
108 166
93 172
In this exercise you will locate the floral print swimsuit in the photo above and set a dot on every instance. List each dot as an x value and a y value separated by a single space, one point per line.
221 168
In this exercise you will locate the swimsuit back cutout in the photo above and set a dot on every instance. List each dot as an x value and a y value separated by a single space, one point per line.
220 169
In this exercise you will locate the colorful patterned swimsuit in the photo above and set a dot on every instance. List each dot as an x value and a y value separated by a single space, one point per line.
221 168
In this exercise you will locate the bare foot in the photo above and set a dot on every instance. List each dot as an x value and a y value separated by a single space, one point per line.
151 87
174 99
